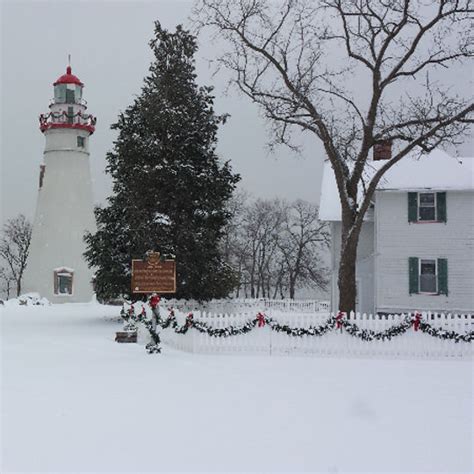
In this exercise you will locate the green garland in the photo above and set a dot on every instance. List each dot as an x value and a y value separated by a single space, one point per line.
444 334
333 322
369 335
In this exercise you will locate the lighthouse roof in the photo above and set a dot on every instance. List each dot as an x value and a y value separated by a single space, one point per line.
68 78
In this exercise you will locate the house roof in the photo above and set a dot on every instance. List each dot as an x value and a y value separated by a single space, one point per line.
437 171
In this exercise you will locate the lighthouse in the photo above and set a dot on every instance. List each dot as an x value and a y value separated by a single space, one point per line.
56 268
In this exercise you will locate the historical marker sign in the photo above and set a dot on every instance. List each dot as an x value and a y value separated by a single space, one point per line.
153 275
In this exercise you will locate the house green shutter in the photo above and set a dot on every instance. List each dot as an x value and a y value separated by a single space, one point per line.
441 207
443 276
413 274
412 207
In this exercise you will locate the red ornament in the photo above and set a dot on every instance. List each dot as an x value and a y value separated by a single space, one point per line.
261 320
189 320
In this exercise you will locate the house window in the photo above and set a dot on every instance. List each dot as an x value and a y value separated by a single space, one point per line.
428 276
63 280
81 142
427 207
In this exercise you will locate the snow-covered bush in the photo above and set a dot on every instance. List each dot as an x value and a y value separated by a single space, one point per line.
28 299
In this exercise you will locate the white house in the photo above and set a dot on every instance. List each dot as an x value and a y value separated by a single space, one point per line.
416 248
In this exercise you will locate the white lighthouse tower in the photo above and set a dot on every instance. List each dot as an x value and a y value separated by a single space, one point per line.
56 267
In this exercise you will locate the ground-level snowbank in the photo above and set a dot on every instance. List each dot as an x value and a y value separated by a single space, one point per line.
27 299
73 400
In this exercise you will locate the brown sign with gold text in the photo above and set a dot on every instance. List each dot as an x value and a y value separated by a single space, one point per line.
153 275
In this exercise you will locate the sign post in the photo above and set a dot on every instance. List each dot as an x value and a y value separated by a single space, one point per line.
154 275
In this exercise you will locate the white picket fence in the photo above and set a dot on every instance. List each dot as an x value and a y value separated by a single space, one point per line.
236 305
412 344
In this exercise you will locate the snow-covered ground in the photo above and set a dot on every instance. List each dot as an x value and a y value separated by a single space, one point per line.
73 400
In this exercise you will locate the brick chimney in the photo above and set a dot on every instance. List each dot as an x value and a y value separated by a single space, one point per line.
383 150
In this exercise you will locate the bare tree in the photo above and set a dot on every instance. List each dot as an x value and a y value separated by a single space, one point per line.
300 243
233 248
250 243
14 247
261 224
275 248
353 74
7 280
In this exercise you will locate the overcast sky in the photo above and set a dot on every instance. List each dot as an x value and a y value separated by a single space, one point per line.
108 42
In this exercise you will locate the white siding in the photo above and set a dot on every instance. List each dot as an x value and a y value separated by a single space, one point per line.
397 240
364 269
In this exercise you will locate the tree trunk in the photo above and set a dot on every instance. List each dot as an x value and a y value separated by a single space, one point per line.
18 287
292 288
347 275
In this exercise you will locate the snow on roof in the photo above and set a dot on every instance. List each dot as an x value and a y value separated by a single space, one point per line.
437 170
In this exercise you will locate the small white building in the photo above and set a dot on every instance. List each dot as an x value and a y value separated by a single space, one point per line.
64 212
416 248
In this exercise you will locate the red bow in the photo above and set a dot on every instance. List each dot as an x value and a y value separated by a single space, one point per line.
339 317
417 321
261 320
189 319
154 300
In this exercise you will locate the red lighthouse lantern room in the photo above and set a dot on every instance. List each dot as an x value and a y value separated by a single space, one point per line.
68 108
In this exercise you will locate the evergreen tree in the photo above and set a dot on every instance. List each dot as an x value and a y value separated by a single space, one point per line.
169 188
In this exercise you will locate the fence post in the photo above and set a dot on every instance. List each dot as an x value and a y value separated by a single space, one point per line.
270 338
193 334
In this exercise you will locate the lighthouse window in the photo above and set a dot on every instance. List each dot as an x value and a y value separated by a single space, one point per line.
60 93
78 94
81 142
63 282
70 96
